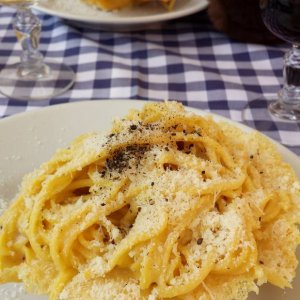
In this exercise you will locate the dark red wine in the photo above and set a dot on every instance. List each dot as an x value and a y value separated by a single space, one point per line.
282 17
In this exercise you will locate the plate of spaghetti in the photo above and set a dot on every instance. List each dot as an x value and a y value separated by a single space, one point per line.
163 203
121 14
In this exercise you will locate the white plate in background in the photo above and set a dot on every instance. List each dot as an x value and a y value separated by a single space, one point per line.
30 138
133 18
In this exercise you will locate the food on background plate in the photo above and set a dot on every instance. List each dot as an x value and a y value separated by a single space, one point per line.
167 204
118 4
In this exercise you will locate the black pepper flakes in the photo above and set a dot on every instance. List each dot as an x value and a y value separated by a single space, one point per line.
251 156
199 241
203 172
180 145
151 202
197 132
103 204
133 127
169 166
121 158
261 262
152 183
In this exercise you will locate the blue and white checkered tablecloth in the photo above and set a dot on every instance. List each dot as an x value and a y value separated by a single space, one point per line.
186 60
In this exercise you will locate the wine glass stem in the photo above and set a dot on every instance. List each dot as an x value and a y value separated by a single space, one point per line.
290 93
28 28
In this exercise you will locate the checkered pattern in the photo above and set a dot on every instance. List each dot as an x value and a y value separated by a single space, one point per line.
185 60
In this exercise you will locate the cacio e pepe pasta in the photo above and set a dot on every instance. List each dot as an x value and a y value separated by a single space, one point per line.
166 205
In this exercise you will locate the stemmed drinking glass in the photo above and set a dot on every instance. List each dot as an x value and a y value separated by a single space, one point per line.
282 17
33 78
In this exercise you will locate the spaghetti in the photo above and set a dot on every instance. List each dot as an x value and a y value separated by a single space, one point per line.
167 204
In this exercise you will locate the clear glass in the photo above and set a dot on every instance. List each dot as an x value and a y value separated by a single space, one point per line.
280 117
33 78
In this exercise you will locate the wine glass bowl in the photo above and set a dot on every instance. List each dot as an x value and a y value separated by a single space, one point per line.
282 18
33 78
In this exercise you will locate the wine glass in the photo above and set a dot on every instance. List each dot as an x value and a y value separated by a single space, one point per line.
33 78
282 18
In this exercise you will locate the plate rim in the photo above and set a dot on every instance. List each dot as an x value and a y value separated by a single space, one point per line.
115 20
286 153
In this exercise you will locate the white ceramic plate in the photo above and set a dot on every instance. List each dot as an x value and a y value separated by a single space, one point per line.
133 18
30 138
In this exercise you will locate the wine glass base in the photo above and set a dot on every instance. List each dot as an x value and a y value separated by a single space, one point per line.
269 118
277 109
56 81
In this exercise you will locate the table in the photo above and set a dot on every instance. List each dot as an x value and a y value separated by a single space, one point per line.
185 60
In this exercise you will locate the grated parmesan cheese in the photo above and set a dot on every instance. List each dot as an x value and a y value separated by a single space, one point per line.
3 206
